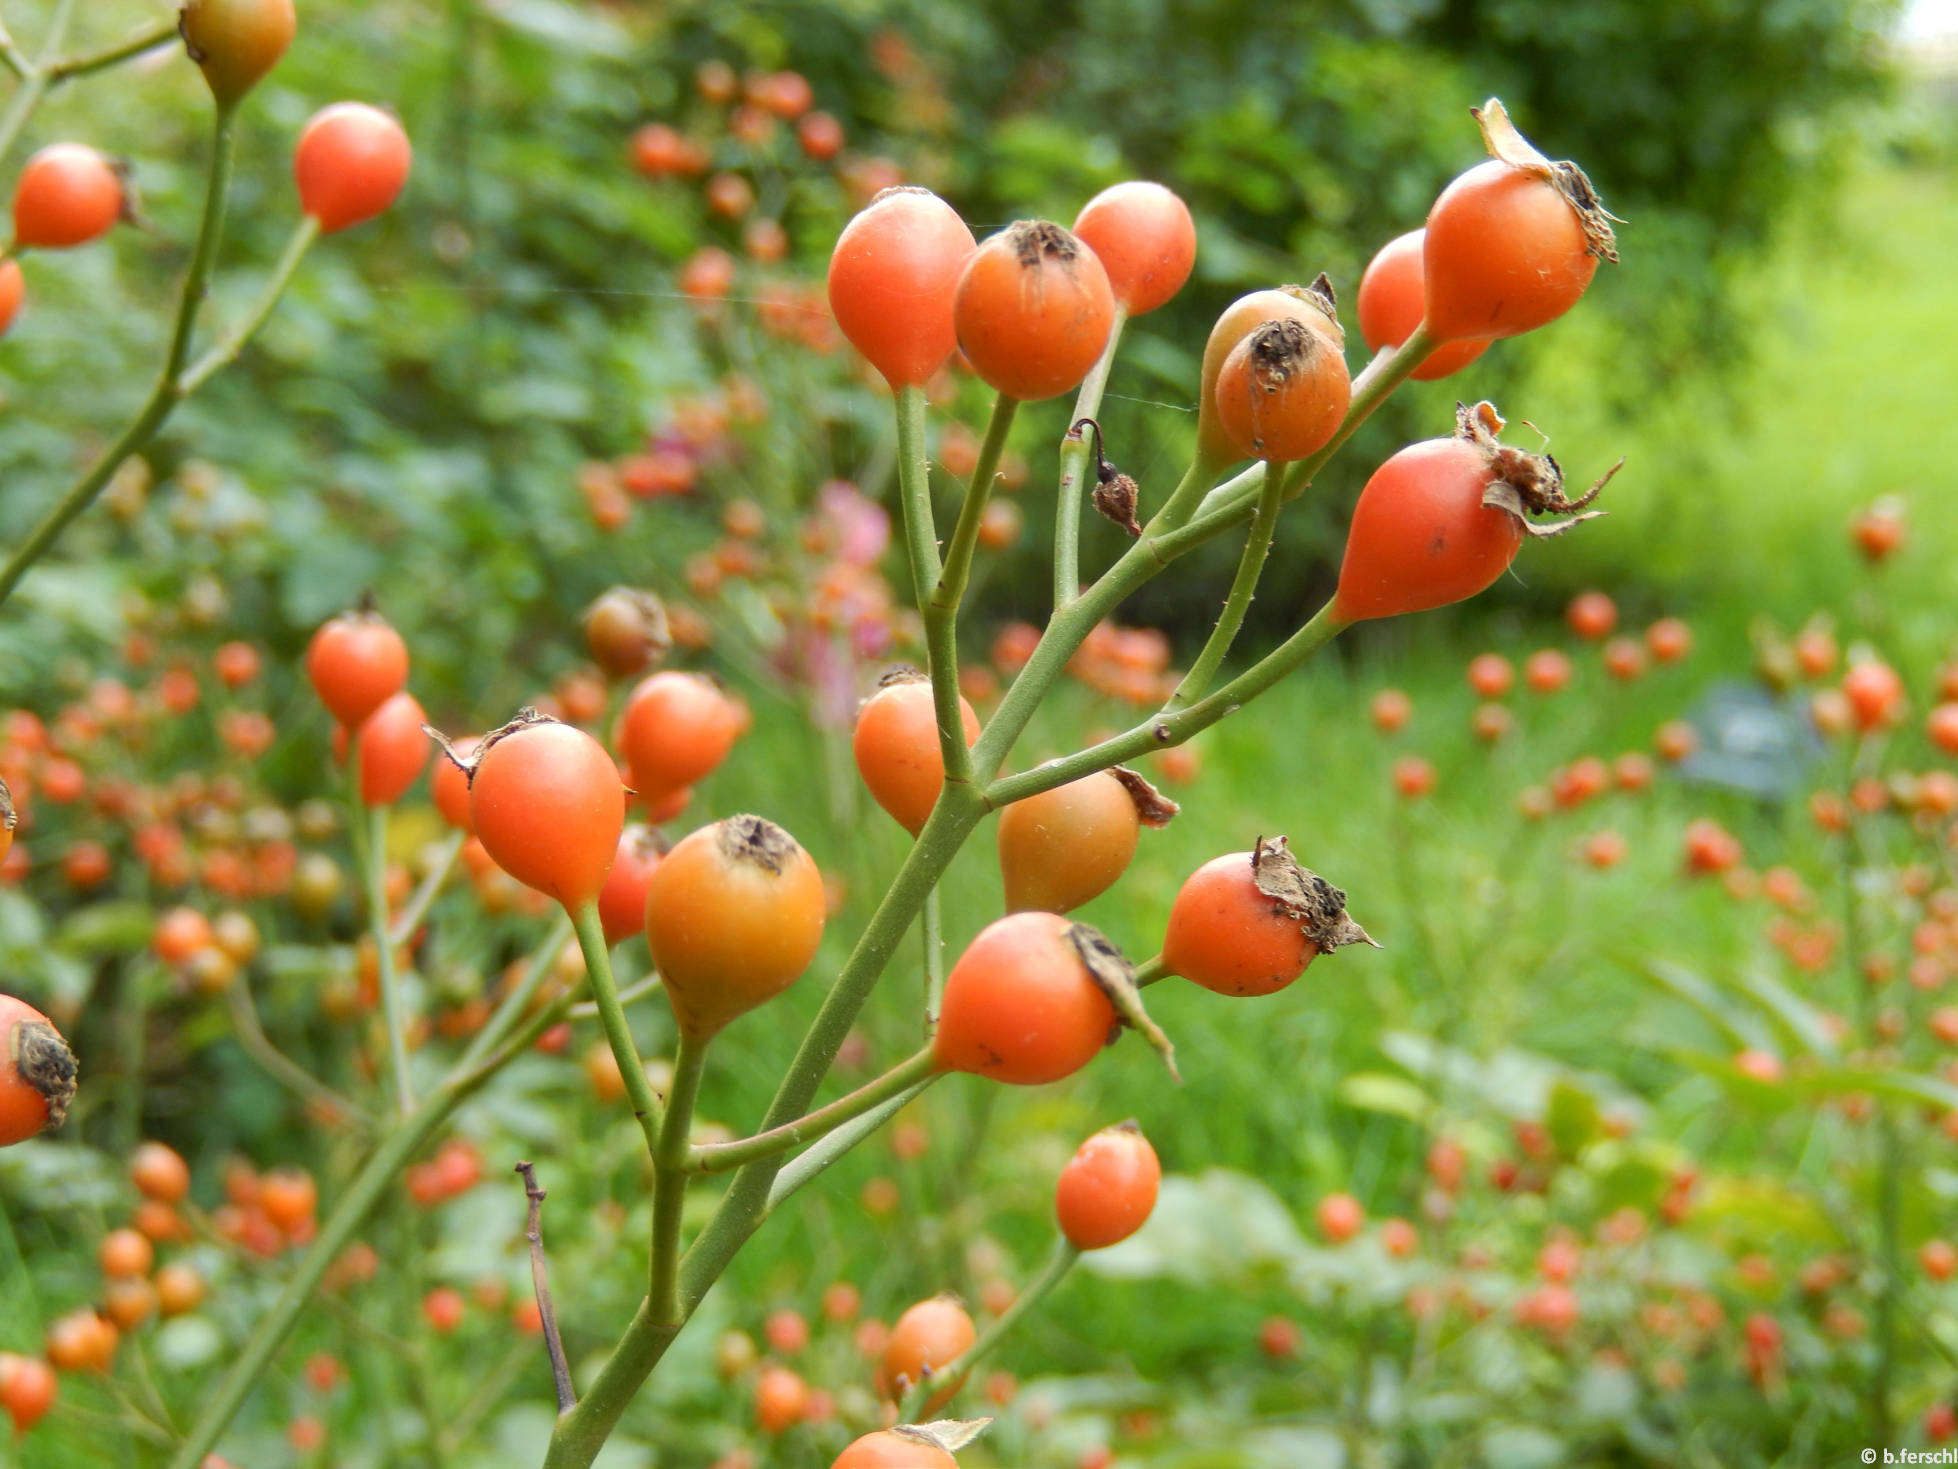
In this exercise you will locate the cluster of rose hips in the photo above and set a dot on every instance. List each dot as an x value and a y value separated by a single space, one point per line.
734 912
350 162
1104 1195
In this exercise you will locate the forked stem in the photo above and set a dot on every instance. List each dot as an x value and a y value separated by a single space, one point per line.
1059 1262
720 1157
612 1018
1244 586
169 391
1074 470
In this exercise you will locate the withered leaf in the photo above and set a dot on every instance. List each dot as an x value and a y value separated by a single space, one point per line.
1319 907
1116 978
1152 807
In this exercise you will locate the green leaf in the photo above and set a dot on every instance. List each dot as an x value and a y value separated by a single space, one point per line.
1376 1091
1219 1226
1683 984
1573 1117
184 1342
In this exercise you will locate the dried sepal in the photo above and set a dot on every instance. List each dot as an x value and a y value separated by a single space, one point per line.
1319 907
1115 977
9 818
757 840
1152 807
949 1434
1115 494
1509 146
1321 296
1525 484
525 718
41 1058
1036 241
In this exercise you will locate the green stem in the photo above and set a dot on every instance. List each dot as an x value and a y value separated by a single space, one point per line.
162 33
928 578
671 1167
1166 730
957 571
1074 470
510 1013
581 1433
914 493
1244 586
374 865
1037 1290
203 256
813 1161
13 57
720 1157
931 928
226 350
281 1067
611 1015
169 390
645 985
35 77
1889 1251
411 916
390 1156
1151 971
1375 384
1188 495
1068 629
491 1394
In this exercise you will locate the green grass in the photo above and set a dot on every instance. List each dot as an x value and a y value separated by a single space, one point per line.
1734 496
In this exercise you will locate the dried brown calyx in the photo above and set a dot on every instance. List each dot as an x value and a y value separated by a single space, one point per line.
949 1434
895 189
1152 807
1280 351
627 631
899 673
646 841
1037 242
1115 977
1114 494
1522 483
758 840
1511 147
9 819
41 1058
1300 893
525 718
1321 298
1320 294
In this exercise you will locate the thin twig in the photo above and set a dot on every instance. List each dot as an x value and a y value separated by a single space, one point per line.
637 990
281 1067
34 76
162 33
411 916
567 1397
